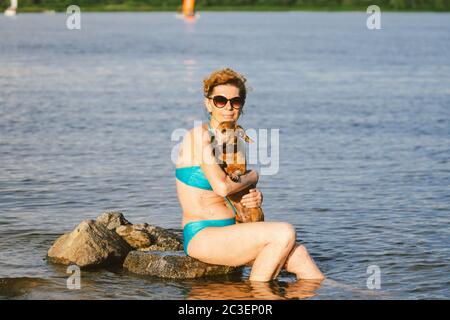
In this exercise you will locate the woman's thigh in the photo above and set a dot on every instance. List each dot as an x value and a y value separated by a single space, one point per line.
237 244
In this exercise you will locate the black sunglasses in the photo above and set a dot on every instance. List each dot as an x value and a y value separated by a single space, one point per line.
221 101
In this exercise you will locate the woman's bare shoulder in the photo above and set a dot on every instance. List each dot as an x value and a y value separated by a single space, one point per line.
197 136
191 146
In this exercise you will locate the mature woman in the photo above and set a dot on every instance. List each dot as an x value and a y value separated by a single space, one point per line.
210 232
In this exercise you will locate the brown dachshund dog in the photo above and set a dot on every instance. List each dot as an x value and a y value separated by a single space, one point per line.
232 161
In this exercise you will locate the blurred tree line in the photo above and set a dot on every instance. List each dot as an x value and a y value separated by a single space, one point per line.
60 5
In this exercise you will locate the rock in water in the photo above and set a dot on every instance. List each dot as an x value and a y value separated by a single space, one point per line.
146 237
90 244
172 264
136 235
163 240
112 220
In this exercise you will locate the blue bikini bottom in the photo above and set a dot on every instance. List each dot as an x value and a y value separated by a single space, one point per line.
192 228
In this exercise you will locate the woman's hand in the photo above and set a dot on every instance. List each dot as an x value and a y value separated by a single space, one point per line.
253 199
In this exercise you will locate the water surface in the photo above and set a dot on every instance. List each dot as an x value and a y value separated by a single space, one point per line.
364 118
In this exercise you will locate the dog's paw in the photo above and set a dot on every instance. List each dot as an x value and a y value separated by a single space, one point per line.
235 177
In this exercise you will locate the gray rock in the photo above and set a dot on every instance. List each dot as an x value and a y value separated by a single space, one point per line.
91 244
147 237
164 240
173 264
135 235
112 219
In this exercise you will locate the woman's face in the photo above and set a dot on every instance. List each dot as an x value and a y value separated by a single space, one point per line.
227 113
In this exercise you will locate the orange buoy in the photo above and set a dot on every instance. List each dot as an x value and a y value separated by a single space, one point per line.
188 8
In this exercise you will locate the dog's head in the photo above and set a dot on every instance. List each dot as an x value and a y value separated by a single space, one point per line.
228 130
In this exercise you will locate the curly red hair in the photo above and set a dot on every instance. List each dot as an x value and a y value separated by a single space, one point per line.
225 76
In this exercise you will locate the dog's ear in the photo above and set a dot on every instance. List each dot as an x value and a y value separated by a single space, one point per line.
241 133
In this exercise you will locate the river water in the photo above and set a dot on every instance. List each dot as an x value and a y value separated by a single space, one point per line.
86 119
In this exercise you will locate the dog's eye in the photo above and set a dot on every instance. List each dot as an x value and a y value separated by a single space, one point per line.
223 130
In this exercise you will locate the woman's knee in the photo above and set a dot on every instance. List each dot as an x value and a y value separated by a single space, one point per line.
301 251
285 234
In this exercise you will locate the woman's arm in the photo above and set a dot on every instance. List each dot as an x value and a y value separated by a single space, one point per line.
218 179
221 182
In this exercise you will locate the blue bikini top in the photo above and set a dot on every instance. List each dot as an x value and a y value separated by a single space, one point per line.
193 176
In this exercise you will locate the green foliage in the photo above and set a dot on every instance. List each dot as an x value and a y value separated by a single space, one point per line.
100 5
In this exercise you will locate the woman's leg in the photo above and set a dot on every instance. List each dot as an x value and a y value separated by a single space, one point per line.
300 262
267 243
